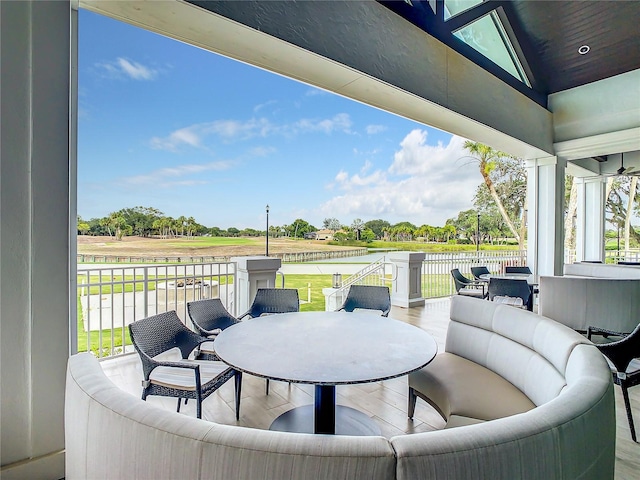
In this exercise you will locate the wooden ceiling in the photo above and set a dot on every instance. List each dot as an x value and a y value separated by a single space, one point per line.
551 32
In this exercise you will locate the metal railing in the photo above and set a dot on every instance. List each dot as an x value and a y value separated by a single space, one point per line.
111 298
436 268
372 274
289 257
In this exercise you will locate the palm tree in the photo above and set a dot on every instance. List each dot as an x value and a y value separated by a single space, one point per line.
357 227
487 158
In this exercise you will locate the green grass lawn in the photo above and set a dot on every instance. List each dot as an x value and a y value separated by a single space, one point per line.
100 342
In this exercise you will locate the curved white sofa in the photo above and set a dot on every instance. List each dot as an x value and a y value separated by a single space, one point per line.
569 434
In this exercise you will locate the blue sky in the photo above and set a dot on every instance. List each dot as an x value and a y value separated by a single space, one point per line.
167 125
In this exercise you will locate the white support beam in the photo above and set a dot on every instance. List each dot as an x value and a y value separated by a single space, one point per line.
545 194
590 221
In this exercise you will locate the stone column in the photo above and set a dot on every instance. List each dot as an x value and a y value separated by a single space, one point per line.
253 273
406 288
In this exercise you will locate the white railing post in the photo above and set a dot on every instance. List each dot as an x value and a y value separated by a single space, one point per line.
253 273
406 288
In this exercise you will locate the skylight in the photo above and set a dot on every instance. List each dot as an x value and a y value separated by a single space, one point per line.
487 36
454 7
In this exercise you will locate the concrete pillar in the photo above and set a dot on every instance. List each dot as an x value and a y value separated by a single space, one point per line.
590 219
406 288
333 298
35 191
545 200
253 273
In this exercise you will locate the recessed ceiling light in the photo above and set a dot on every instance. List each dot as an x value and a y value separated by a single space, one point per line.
584 49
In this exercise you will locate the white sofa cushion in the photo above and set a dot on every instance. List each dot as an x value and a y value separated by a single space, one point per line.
467 391
527 350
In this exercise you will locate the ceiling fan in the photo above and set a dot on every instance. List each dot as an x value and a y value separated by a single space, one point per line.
628 170
622 171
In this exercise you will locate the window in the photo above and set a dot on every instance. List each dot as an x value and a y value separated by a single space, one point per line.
487 36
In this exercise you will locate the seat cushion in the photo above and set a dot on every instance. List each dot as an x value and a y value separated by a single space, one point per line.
459 387
184 378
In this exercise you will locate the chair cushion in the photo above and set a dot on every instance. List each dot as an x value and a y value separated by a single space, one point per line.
471 292
462 388
514 301
184 378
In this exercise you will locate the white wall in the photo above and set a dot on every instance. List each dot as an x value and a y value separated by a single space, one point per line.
34 229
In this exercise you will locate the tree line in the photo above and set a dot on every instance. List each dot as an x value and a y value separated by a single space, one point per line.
499 207
498 214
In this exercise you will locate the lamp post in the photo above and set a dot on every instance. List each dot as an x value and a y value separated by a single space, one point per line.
267 245
478 237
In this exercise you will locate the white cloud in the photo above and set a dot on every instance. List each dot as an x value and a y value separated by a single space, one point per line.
171 176
260 106
340 122
374 129
315 91
262 151
231 130
423 184
187 136
124 68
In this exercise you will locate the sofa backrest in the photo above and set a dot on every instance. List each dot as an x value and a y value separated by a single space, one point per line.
112 434
601 270
528 350
571 432
580 302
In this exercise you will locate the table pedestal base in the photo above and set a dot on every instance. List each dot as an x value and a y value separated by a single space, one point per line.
349 421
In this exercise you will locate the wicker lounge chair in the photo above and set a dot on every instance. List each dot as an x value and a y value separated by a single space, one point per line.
368 297
477 271
624 360
272 300
465 286
196 379
209 317
512 292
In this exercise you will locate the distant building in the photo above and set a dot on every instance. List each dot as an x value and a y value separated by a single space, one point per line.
324 235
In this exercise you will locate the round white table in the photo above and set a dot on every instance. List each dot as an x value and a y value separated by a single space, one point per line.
325 349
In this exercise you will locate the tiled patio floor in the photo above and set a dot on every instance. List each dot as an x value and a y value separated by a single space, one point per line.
386 402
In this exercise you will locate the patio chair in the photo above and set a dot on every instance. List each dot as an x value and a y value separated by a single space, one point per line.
272 300
209 317
184 378
509 291
465 286
623 357
477 271
367 297
524 270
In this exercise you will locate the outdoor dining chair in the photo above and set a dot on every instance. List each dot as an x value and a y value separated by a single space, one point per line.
182 378
623 357
477 271
509 291
465 286
367 297
272 300
514 269
209 317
